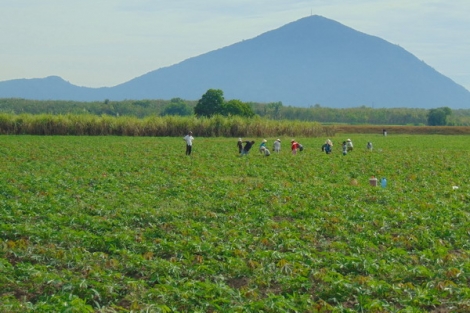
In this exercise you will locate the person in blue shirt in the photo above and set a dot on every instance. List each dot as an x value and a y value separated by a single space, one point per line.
262 145
327 147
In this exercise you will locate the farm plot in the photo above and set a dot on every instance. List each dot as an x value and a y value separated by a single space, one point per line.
117 224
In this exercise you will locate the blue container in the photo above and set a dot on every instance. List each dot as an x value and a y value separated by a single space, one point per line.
383 182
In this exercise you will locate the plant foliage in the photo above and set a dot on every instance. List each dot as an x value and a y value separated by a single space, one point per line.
131 224
275 110
438 117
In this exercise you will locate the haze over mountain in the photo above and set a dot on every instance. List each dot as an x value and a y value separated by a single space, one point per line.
311 61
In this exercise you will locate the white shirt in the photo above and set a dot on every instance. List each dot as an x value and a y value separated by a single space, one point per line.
189 140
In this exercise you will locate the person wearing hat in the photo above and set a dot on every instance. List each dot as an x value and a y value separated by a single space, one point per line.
327 147
277 146
262 145
294 146
349 145
189 142
240 145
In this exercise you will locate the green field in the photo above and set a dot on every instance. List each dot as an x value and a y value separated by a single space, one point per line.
120 224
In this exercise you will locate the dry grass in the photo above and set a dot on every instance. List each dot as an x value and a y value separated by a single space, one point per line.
411 130
217 126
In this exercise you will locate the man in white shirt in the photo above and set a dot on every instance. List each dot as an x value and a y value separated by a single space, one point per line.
277 146
349 145
189 142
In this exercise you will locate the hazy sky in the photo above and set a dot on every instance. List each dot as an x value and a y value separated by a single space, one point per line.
97 43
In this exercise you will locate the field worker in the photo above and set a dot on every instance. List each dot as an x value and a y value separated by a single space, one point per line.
327 147
349 145
345 148
262 146
294 146
240 145
265 151
247 147
189 142
369 146
277 146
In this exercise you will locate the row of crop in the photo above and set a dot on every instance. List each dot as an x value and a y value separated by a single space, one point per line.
91 125
132 224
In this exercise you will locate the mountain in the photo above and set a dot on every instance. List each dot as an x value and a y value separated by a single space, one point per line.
49 88
311 61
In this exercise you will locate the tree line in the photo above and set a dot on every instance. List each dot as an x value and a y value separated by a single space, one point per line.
214 103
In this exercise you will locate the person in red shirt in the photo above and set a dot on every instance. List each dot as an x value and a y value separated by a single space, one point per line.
294 146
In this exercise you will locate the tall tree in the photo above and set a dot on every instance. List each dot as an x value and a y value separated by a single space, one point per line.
177 106
275 107
438 117
210 103
236 107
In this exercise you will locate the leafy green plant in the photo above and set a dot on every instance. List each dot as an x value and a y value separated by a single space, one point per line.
111 223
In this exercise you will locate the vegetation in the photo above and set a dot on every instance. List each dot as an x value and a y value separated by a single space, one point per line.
438 117
231 126
236 107
177 106
210 103
275 111
121 224
213 103
92 125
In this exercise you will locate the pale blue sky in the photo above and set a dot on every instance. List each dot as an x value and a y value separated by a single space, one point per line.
97 43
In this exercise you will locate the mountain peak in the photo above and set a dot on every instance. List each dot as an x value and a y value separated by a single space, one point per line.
314 60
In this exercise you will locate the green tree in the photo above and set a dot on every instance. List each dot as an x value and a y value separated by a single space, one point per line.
177 106
211 103
236 107
275 108
438 117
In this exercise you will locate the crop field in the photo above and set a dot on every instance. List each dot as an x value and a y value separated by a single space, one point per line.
131 224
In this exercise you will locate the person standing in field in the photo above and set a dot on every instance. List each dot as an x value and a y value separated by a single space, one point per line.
345 148
294 146
189 142
369 146
247 147
327 147
349 145
240 145
277 146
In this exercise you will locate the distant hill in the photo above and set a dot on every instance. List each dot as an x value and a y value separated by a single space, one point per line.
311 61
